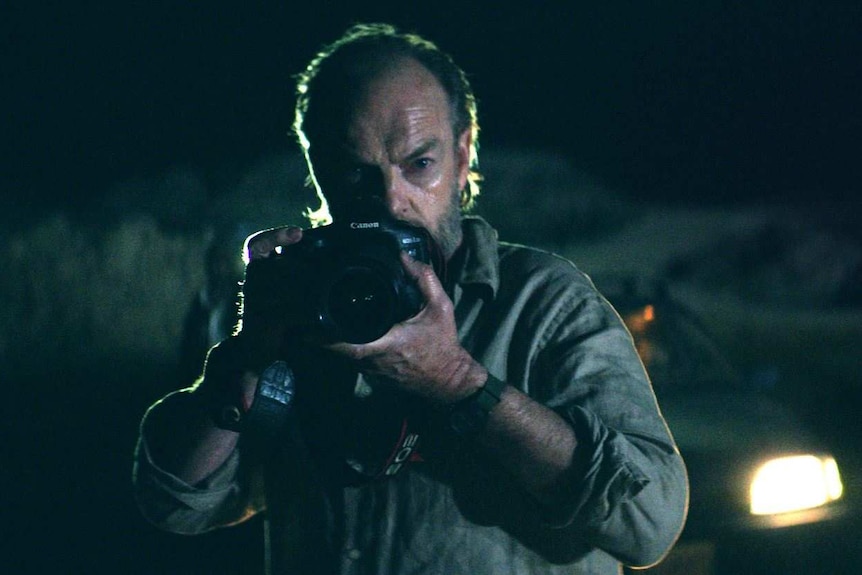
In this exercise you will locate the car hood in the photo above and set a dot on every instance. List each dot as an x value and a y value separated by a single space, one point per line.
724 438
734 424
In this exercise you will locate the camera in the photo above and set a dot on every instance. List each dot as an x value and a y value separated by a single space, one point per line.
345 281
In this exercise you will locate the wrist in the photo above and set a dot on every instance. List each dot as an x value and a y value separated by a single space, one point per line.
227 389
467 376
470 415
228 408
262 403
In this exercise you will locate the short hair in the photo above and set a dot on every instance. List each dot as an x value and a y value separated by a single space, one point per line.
328 87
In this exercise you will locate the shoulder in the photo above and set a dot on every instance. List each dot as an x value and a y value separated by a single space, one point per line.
519 263
516 271
554 292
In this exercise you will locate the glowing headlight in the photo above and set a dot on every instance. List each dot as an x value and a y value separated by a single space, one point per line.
794 483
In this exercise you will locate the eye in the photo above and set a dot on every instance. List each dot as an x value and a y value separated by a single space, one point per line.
419 166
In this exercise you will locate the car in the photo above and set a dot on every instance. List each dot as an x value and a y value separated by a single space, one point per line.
756 472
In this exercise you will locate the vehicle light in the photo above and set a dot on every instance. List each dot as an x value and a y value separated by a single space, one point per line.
649 313
794 483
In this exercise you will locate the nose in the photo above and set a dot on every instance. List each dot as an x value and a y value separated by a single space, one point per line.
396 193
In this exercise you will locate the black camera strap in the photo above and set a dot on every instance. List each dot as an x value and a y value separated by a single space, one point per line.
267 416
267 421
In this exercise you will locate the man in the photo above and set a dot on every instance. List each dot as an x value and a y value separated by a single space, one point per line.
529 437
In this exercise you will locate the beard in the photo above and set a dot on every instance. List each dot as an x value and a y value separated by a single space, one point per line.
448 233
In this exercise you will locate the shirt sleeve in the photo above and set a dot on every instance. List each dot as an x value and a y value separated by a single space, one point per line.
228 496
629 492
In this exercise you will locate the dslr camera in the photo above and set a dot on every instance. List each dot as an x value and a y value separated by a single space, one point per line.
345 281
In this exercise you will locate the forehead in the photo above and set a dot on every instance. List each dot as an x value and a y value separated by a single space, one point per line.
403 103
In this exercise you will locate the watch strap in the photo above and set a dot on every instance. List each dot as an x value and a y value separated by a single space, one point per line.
470 415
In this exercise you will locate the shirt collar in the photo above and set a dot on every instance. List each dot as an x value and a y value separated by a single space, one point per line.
476 264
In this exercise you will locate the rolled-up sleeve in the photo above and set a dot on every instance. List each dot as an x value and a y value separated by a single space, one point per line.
535 320
632 498
226 497
629 494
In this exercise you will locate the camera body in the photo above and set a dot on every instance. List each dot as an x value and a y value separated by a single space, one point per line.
345 281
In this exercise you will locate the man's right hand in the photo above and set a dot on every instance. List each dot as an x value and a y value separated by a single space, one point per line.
233 366
264 306
263 244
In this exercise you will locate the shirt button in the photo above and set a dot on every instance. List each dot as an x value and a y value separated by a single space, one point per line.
354 554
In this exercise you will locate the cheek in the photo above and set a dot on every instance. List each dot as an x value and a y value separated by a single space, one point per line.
439 200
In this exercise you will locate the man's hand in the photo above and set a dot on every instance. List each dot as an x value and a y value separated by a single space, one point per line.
262 244
263 323
422 354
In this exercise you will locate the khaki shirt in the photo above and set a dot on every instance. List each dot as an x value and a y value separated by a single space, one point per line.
536 322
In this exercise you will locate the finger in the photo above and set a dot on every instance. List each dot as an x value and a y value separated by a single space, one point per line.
428 282
350 350
262 244
287 235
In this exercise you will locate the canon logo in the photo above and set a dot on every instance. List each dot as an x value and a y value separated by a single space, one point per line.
363 225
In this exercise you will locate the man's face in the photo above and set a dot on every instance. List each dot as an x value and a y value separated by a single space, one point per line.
399 146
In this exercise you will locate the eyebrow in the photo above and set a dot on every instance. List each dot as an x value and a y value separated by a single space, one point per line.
424 148
429 145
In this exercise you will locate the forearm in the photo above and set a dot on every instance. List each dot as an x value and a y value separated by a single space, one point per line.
634 492
627 493
183 440
532 442
180 433
187 475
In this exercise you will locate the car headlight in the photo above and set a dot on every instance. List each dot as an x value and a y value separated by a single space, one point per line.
794 483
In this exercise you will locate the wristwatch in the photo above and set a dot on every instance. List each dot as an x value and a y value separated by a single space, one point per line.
469 416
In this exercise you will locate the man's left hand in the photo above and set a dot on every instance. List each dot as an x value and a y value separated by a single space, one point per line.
422 355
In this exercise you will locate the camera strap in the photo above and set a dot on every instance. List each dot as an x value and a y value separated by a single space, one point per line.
267 416
403 452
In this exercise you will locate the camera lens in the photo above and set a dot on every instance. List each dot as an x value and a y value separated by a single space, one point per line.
361 305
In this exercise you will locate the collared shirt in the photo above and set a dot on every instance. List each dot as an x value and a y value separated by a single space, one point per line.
536 322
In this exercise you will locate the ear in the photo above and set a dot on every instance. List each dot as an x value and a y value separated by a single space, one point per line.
462 157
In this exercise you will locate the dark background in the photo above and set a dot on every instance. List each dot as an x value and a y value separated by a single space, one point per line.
686 103
704 102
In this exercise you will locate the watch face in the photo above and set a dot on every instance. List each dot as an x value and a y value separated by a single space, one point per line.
228 417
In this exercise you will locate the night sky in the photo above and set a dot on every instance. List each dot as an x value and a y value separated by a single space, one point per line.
703 102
